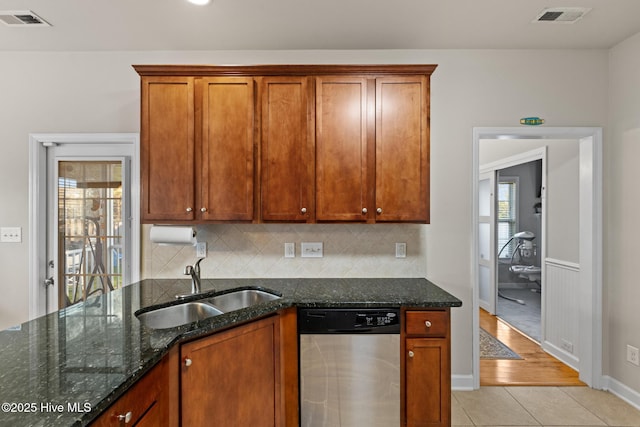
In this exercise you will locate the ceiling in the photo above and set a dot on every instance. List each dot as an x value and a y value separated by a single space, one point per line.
99 25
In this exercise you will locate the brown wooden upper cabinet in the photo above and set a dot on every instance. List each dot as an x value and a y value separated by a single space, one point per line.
167 149
197 149
287 150
289 143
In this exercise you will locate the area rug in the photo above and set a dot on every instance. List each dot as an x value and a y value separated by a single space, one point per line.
492 348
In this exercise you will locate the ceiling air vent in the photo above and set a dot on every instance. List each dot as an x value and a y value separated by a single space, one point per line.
562 15
22 18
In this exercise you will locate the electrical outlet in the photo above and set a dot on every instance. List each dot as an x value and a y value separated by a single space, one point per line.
632 355
401 250
567 345
10 234
201 249
311 249
289 250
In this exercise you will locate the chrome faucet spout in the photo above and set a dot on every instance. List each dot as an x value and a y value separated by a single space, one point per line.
194 272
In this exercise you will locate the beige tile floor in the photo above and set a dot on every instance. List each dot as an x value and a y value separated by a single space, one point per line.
541 406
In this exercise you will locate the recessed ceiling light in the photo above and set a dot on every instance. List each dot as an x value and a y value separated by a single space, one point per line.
199 2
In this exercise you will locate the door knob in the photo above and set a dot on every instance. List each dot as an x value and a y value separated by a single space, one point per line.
411 354
187 362
364 210
203 209
303 210
189 209
379 210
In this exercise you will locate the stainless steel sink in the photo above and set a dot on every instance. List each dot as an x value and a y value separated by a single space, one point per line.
177 315
241 299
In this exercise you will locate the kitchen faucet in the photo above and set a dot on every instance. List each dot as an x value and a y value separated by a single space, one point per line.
194 272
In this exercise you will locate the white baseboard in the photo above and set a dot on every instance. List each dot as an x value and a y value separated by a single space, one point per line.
462 382
562 355
624 392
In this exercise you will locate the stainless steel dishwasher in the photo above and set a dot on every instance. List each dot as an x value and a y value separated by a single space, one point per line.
349 367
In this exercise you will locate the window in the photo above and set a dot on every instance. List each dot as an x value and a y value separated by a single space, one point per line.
507 210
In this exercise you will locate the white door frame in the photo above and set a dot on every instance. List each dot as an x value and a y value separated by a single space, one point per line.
38 204
590 298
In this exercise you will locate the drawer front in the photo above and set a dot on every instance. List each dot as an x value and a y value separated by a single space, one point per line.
427 323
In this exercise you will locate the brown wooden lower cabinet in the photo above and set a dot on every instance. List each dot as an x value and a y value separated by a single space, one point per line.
248 376
426 368
147 403
244 376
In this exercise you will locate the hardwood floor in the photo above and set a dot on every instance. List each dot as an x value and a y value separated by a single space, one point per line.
536 367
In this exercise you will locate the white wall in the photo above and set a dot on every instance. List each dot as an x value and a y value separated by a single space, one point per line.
621 207
98 92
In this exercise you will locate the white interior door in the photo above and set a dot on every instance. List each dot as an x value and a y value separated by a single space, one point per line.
487 241
84 224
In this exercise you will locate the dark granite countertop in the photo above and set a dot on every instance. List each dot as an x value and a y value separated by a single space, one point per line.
65 368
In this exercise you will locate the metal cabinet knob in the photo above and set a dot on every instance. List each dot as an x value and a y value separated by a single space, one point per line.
203 209
189 209
303 210
126 417
411 354
379 210
187 362
427 324
364 210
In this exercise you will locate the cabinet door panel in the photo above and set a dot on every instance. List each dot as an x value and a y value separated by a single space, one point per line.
232 377
341 148
167 149
402 149
227 148
427 381
287 150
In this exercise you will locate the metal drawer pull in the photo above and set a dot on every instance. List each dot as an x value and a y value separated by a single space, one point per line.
427 324
126 417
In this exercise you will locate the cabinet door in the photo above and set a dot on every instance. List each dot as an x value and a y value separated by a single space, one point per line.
167 148
427 382
147 403
402 149
286 173
231 380
341 148
227 148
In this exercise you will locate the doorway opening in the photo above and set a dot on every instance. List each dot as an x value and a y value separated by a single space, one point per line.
575 339
84 224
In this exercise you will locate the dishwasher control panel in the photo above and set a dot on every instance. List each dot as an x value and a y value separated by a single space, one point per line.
348 321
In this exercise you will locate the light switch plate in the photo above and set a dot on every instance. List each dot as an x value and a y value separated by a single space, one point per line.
401 250
311 250
289 250
10 234
201 249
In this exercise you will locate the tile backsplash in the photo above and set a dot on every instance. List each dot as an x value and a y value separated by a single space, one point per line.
257 250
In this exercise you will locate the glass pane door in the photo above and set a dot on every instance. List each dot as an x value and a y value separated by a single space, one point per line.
90 229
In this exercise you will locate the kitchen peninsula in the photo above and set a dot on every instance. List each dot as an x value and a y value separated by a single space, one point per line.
69 367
